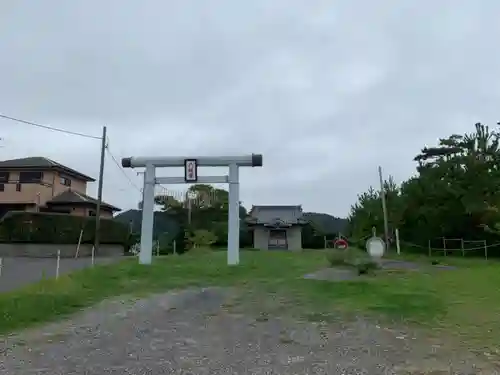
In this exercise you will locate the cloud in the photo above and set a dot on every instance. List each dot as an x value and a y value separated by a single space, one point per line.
327 91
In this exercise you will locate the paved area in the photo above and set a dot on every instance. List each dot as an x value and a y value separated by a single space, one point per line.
17 272
393 264
350 273
200 332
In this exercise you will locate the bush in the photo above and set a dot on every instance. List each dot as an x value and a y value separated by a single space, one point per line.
366 266
202 238
336 257
40 227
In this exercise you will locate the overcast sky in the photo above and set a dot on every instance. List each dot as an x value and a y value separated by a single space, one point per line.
326 90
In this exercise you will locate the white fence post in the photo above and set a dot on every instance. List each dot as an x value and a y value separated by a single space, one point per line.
93 256
398 248
58 263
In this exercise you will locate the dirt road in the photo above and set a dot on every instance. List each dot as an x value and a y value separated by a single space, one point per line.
198 332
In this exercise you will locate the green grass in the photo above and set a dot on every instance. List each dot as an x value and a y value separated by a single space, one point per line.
466 300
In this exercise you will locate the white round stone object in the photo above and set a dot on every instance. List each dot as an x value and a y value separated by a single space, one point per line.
375 246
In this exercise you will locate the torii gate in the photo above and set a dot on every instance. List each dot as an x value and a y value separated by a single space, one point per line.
191 165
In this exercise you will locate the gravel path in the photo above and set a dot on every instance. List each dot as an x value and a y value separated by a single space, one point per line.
17 272
195 332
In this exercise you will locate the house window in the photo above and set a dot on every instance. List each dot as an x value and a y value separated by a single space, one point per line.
92 213
65 181
30 177
4 178
18 187
60 210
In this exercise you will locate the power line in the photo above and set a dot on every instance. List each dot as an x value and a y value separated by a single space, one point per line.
122 170
48 127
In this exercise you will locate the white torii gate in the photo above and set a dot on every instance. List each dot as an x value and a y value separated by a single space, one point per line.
191 165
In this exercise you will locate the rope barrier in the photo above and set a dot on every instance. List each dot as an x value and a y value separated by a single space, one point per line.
482 247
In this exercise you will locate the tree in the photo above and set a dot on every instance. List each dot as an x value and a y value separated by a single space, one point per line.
367 212
203 207
202 238
455 192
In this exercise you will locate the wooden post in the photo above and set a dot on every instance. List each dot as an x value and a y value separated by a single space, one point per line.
324 241
374 232
174 248
462 246
430 249
444 246
1 266
485 250
79 243
398 248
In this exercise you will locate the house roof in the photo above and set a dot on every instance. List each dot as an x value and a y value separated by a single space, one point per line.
274 213
39 162
73 197
274 207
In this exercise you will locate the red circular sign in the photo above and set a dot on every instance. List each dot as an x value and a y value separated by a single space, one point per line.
341 243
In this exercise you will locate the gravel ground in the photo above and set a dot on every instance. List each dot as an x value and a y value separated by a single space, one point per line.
197 332
17 272
348 274
406 265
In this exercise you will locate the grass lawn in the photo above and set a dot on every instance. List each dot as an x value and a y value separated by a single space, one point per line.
465 301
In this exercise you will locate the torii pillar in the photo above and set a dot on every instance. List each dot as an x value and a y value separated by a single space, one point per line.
191 165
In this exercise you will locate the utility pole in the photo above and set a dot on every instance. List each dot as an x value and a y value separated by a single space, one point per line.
99 192
188 206
384 207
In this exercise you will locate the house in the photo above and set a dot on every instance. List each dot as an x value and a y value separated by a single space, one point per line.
41 184
276 227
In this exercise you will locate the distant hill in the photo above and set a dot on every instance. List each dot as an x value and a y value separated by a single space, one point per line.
165 223
327 223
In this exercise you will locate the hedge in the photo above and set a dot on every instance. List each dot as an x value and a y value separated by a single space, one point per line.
40 227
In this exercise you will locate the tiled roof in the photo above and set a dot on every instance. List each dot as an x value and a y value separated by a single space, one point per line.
73 197
272 213
40 162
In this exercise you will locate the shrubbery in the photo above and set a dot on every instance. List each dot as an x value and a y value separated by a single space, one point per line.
366 266
39 227
336 257
351 258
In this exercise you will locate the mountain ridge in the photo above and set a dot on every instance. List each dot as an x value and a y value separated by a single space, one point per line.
323 222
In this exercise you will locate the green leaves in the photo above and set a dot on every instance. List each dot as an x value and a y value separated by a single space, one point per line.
202 238
202 211
456 192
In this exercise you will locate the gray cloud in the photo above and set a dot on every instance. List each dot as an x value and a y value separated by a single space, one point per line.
326 90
